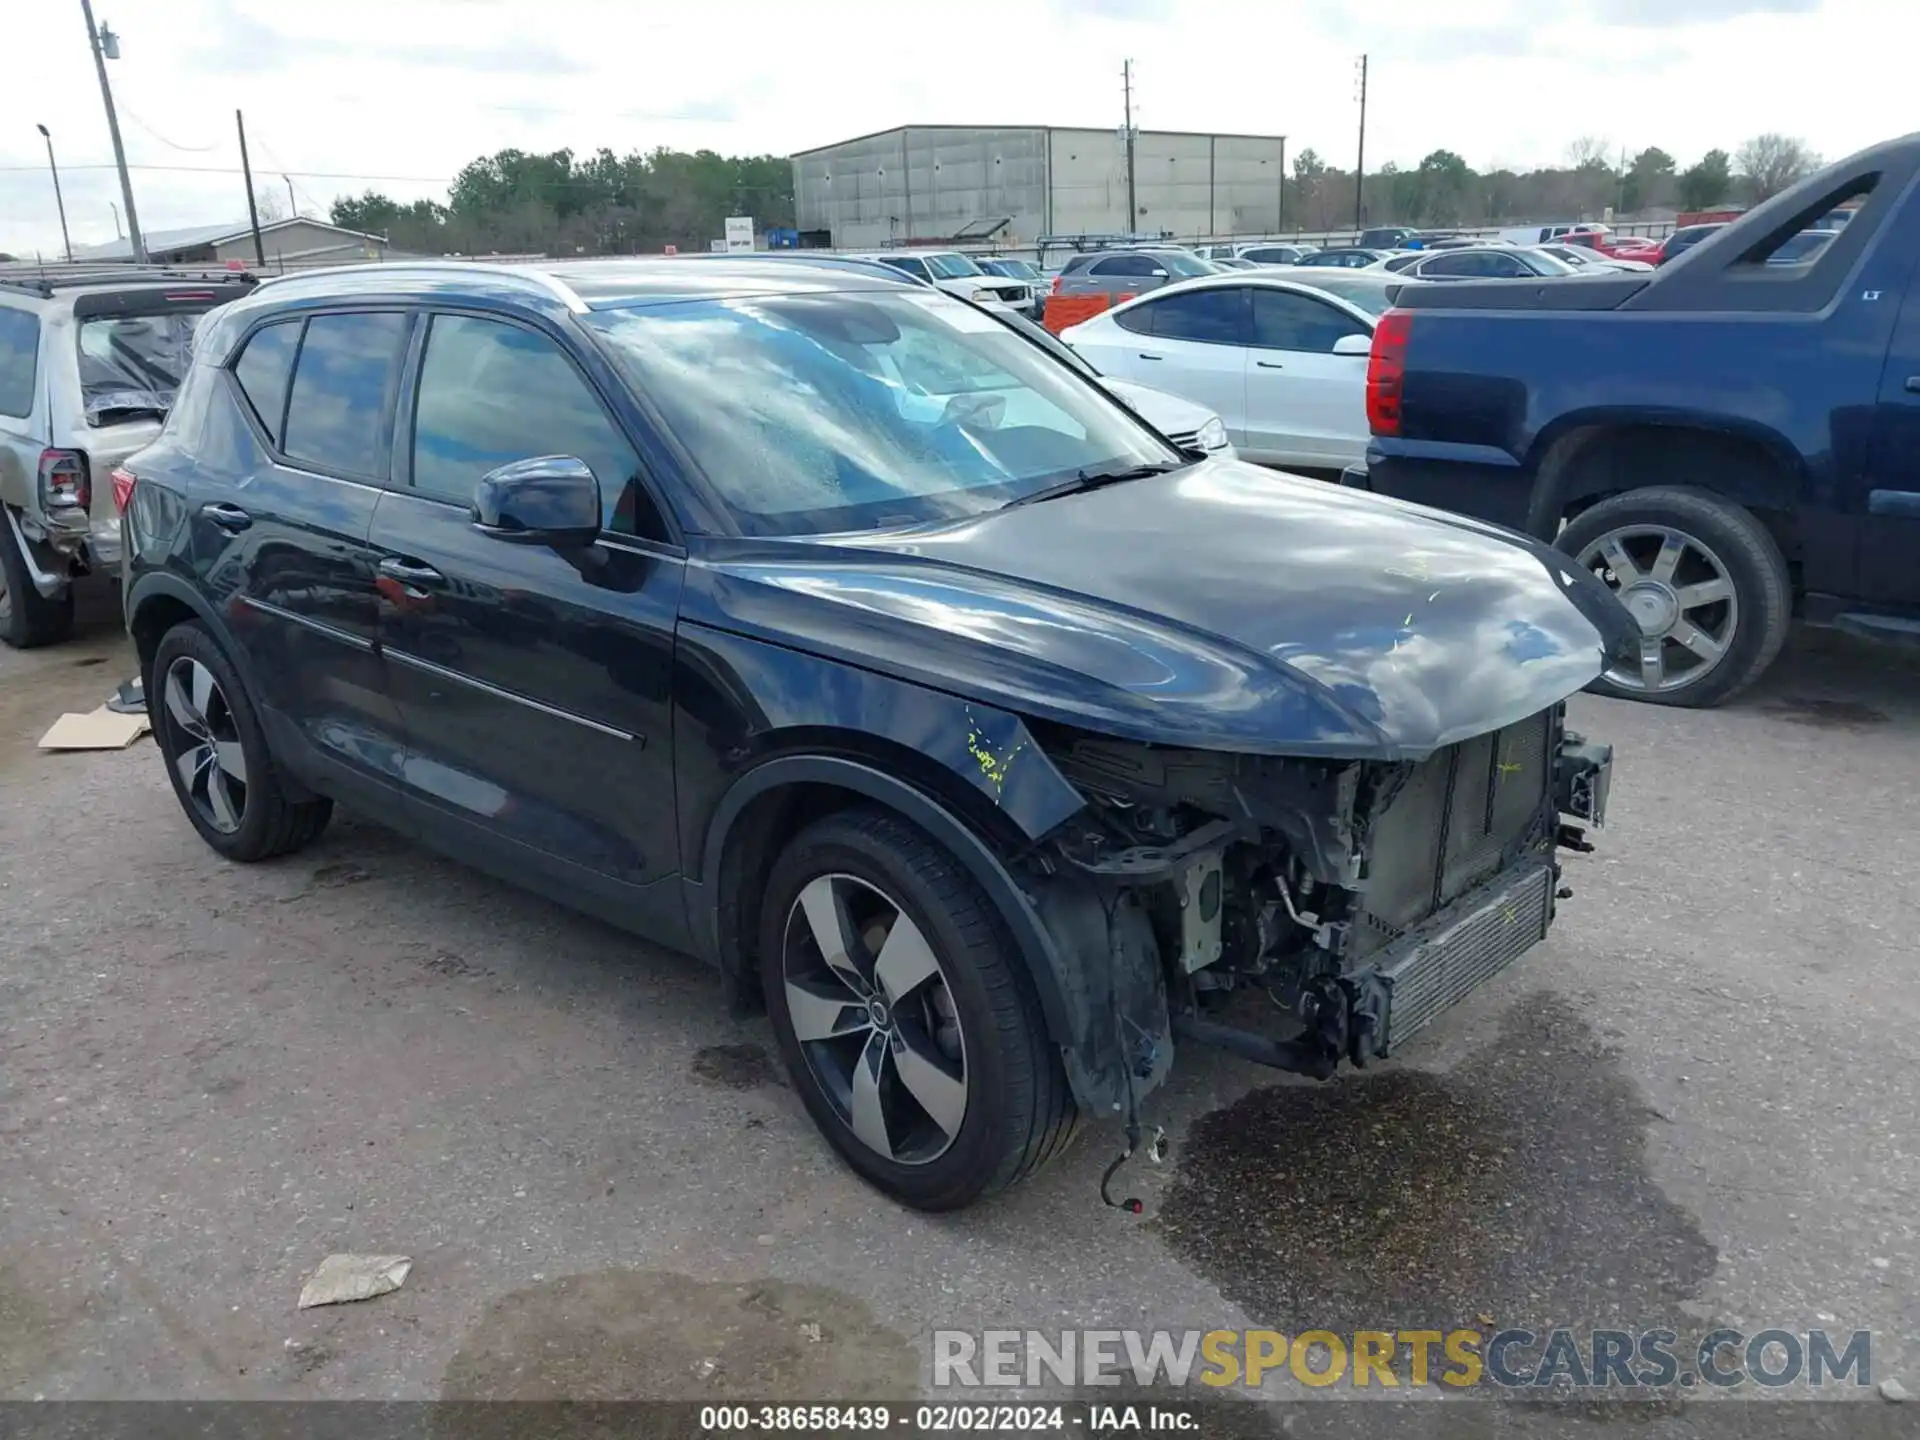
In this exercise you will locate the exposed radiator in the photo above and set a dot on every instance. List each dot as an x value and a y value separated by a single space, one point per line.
1447 829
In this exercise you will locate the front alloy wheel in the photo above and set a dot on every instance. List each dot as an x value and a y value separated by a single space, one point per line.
872 1010
203 745
1680 594
905 1015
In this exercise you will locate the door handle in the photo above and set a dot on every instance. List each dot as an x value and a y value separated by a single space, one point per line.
1145 356
414 577
1269 364
230 518
1913 384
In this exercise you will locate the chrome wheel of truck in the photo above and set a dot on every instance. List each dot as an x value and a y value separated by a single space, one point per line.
1703 580
1679 594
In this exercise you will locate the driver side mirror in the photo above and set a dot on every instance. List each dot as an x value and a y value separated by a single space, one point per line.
547 500
1353 345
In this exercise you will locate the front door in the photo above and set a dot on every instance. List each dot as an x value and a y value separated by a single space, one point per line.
1305 404
1193 344
535 686
1889 546
281 538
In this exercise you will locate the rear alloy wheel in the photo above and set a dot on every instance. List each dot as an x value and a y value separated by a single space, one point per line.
216 754
1703 581
905 1015
211 764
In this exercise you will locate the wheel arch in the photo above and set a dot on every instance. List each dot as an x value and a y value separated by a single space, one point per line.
768 804
159 601
1590 457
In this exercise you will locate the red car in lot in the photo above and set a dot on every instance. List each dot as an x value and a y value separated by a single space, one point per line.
1614 247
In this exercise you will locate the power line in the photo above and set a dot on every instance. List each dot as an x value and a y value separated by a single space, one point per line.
127 111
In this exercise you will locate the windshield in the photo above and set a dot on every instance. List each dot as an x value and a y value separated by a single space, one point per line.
813 414
952 267
133 364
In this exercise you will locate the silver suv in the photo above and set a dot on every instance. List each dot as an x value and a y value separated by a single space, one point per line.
89 362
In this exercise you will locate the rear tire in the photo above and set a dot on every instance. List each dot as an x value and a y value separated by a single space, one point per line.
972 1009
216 753
28 618
1705 581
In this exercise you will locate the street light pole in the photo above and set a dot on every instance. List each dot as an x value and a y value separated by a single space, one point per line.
58 199
100 53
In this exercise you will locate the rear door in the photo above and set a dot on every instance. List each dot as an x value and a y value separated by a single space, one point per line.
1305 404
1193 344
279 536
535 686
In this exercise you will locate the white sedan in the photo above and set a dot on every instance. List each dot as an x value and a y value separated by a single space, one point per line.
1279 356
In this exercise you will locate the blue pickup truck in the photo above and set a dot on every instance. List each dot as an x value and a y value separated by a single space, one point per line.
1731 441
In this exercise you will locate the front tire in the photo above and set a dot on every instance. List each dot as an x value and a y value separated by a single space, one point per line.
905 1016
216 753
1703 579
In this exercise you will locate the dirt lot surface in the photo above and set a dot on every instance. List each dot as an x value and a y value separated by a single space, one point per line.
1694 1106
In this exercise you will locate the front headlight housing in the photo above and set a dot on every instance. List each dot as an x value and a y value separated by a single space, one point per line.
1212 435
985 297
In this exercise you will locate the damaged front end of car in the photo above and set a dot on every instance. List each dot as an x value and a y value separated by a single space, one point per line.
1363 897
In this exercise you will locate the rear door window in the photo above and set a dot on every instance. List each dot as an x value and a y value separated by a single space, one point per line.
339 410
19 348
263 370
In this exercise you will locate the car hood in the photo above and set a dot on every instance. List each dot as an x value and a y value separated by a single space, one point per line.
1222 607
1168 414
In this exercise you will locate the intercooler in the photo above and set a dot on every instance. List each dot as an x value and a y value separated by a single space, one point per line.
1460 814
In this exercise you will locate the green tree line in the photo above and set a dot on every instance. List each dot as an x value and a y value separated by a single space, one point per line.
560 203
1443 190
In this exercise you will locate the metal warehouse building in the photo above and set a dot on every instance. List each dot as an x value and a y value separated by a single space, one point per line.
932 183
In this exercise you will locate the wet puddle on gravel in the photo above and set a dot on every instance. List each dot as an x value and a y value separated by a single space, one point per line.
1510 1191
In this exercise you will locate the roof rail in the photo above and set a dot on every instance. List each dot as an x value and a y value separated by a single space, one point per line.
43 280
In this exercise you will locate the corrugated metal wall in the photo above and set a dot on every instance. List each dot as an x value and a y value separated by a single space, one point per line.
929 183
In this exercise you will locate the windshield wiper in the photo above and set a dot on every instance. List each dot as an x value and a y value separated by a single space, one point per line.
1091 478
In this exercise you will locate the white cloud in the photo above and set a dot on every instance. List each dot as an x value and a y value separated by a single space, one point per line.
368 93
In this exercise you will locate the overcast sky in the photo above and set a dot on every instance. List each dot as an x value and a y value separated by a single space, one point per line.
398 94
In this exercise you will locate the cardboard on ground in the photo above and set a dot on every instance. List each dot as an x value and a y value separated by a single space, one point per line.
96 730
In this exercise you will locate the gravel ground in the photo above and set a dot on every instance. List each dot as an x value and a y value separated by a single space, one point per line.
1694 1105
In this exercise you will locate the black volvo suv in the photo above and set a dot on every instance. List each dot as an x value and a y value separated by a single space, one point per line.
825 627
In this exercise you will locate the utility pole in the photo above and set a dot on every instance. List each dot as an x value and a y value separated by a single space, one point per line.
293 205
118 233
253 209
1126 94
105 43
58 199
1360 165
